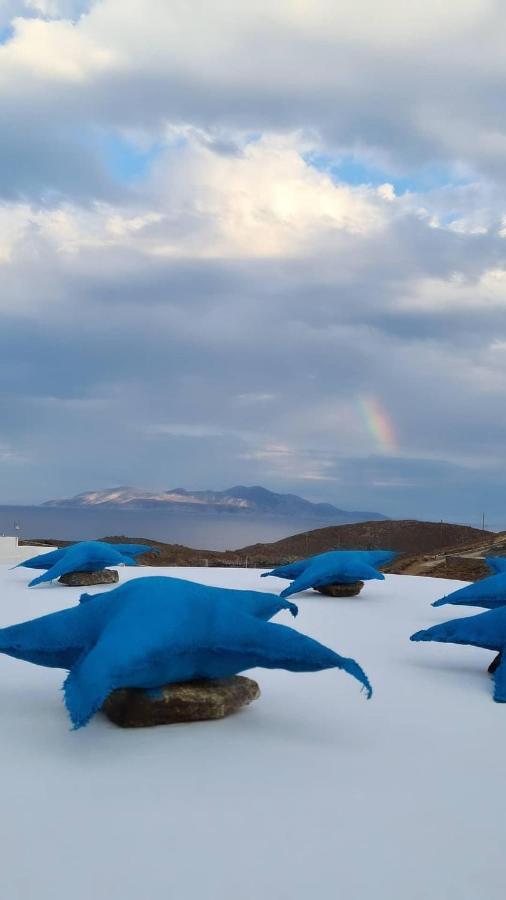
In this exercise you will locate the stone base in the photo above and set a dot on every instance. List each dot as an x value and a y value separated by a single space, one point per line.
341 590
85 579
191 701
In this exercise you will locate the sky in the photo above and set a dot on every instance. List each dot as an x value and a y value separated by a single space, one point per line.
255 243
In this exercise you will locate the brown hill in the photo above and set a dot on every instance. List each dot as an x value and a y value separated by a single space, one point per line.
439 549
465 562
407 536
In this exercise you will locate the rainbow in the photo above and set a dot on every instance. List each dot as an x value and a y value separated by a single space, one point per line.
379 424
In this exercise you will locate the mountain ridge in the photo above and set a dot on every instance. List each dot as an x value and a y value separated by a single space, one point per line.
240 499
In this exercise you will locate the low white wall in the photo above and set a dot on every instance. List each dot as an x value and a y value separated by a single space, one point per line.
11 553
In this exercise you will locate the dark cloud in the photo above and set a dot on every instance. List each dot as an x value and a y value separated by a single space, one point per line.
141 345
118 354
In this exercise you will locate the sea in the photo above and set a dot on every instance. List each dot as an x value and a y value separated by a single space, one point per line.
220 531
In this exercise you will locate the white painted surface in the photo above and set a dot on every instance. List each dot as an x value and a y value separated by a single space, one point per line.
11 552
311 792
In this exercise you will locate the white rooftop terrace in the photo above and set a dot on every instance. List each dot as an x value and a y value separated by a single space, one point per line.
12 552
312 791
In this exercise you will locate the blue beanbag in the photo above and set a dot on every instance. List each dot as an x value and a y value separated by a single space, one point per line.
496 563
90 556
152 632
487 630
133 549
43 560
293 570
256 603
344 570
46 560
489 593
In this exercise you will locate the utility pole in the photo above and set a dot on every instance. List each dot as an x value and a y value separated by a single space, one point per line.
483 521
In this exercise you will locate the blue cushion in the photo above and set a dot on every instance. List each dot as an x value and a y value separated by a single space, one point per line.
496 563
489 593
46 560
256 603
135 549
293 570
90 556
155 631
43 560
340 570
486 630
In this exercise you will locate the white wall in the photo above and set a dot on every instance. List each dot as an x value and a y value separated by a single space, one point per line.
11 553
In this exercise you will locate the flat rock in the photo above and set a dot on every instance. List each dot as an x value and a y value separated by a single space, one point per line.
341 590
191 701
85 579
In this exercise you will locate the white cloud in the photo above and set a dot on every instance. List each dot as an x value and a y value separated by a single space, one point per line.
286 462
395 81
458 292
265 202
236 294
391 23
51 50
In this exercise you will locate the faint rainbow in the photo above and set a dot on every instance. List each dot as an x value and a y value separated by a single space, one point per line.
379 424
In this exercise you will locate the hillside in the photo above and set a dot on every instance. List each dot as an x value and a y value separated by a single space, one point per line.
407 536
425 548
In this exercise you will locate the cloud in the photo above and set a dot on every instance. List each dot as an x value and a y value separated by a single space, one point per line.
265 202
407 83
221 227
52 51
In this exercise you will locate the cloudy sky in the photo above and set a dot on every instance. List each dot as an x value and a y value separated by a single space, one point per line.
255 243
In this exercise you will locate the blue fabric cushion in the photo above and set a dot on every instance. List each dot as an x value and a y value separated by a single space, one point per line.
496 563
256 603
486 630
488 593
293 570
343 570
46 560
151 632
90 556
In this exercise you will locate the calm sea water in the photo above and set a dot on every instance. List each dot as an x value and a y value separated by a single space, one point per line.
208 532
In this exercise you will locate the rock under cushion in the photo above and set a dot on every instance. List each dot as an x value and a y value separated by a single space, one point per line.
191 701
341 590
85 579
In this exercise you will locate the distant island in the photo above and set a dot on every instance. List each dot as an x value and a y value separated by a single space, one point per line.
239 500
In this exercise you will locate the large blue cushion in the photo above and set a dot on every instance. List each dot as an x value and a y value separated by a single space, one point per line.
46 560
489 593
486 630
293 570
338 570
90 556
256 603
496 563
154 631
